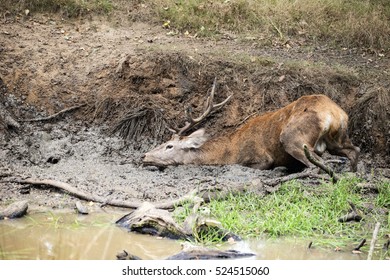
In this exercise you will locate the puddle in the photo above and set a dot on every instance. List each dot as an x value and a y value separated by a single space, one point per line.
96 237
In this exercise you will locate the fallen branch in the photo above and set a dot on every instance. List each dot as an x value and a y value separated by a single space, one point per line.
319 164
302 175
351 216
66 110
373 240
205 193
361 244
67 188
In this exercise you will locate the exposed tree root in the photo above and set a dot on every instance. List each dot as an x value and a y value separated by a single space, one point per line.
51 117
141 121
205 194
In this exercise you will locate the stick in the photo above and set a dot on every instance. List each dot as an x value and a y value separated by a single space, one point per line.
280 180
67 188
56 114
314 161
373 240
361 244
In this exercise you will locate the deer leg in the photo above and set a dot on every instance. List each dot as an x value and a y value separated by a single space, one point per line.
346 150
265 163
296 151
293 139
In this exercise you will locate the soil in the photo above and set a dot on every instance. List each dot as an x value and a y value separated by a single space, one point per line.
136 80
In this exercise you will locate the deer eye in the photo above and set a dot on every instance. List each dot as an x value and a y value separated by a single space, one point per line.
168 147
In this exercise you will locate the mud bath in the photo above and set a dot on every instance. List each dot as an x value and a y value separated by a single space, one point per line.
64 236
106 166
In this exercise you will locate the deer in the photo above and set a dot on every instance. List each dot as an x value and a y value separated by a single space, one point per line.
273 139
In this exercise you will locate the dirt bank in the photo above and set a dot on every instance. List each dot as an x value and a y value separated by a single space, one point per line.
120 70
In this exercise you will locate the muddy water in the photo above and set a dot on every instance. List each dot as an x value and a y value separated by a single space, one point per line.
94 237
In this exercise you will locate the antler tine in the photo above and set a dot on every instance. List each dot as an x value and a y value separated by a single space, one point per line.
208 108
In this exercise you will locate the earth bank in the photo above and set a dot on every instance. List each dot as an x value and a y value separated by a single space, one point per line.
136 80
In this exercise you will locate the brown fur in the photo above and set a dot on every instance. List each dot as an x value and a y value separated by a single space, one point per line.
275 138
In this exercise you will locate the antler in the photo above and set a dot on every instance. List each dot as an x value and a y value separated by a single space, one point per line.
209 107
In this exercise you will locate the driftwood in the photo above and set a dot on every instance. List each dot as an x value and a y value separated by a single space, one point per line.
191 252
351 216
51 117
147 219
373 240
15 210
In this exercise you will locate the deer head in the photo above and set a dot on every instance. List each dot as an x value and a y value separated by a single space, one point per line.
178 150
183 149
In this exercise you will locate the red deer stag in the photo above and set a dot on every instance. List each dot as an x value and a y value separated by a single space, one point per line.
266 141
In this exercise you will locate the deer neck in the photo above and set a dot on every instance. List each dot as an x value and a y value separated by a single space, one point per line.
214 152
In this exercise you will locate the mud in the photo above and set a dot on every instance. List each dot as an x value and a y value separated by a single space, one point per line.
117 68
106 166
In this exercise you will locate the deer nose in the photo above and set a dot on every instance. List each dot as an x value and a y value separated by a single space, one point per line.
143 157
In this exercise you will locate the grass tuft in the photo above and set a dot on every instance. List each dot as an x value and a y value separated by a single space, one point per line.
302 211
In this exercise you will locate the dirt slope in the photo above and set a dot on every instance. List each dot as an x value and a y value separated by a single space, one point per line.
48 64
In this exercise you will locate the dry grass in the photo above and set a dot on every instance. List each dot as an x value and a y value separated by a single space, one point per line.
349 23
69 8
352 23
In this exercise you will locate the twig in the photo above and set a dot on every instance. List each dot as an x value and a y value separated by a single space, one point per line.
314 161
361 244
280 180
373 240
66 110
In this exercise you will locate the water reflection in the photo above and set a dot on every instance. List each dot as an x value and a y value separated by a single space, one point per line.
95 237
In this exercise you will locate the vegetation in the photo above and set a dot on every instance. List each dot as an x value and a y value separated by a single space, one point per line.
69 8
352 23
297 210
348 23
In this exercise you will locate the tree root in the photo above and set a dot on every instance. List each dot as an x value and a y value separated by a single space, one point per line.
51 117
205 194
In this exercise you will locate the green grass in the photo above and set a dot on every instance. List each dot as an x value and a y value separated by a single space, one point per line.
302 211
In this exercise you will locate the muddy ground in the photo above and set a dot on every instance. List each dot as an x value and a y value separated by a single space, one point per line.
135 80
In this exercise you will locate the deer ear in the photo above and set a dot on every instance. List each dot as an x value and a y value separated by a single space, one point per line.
196 139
